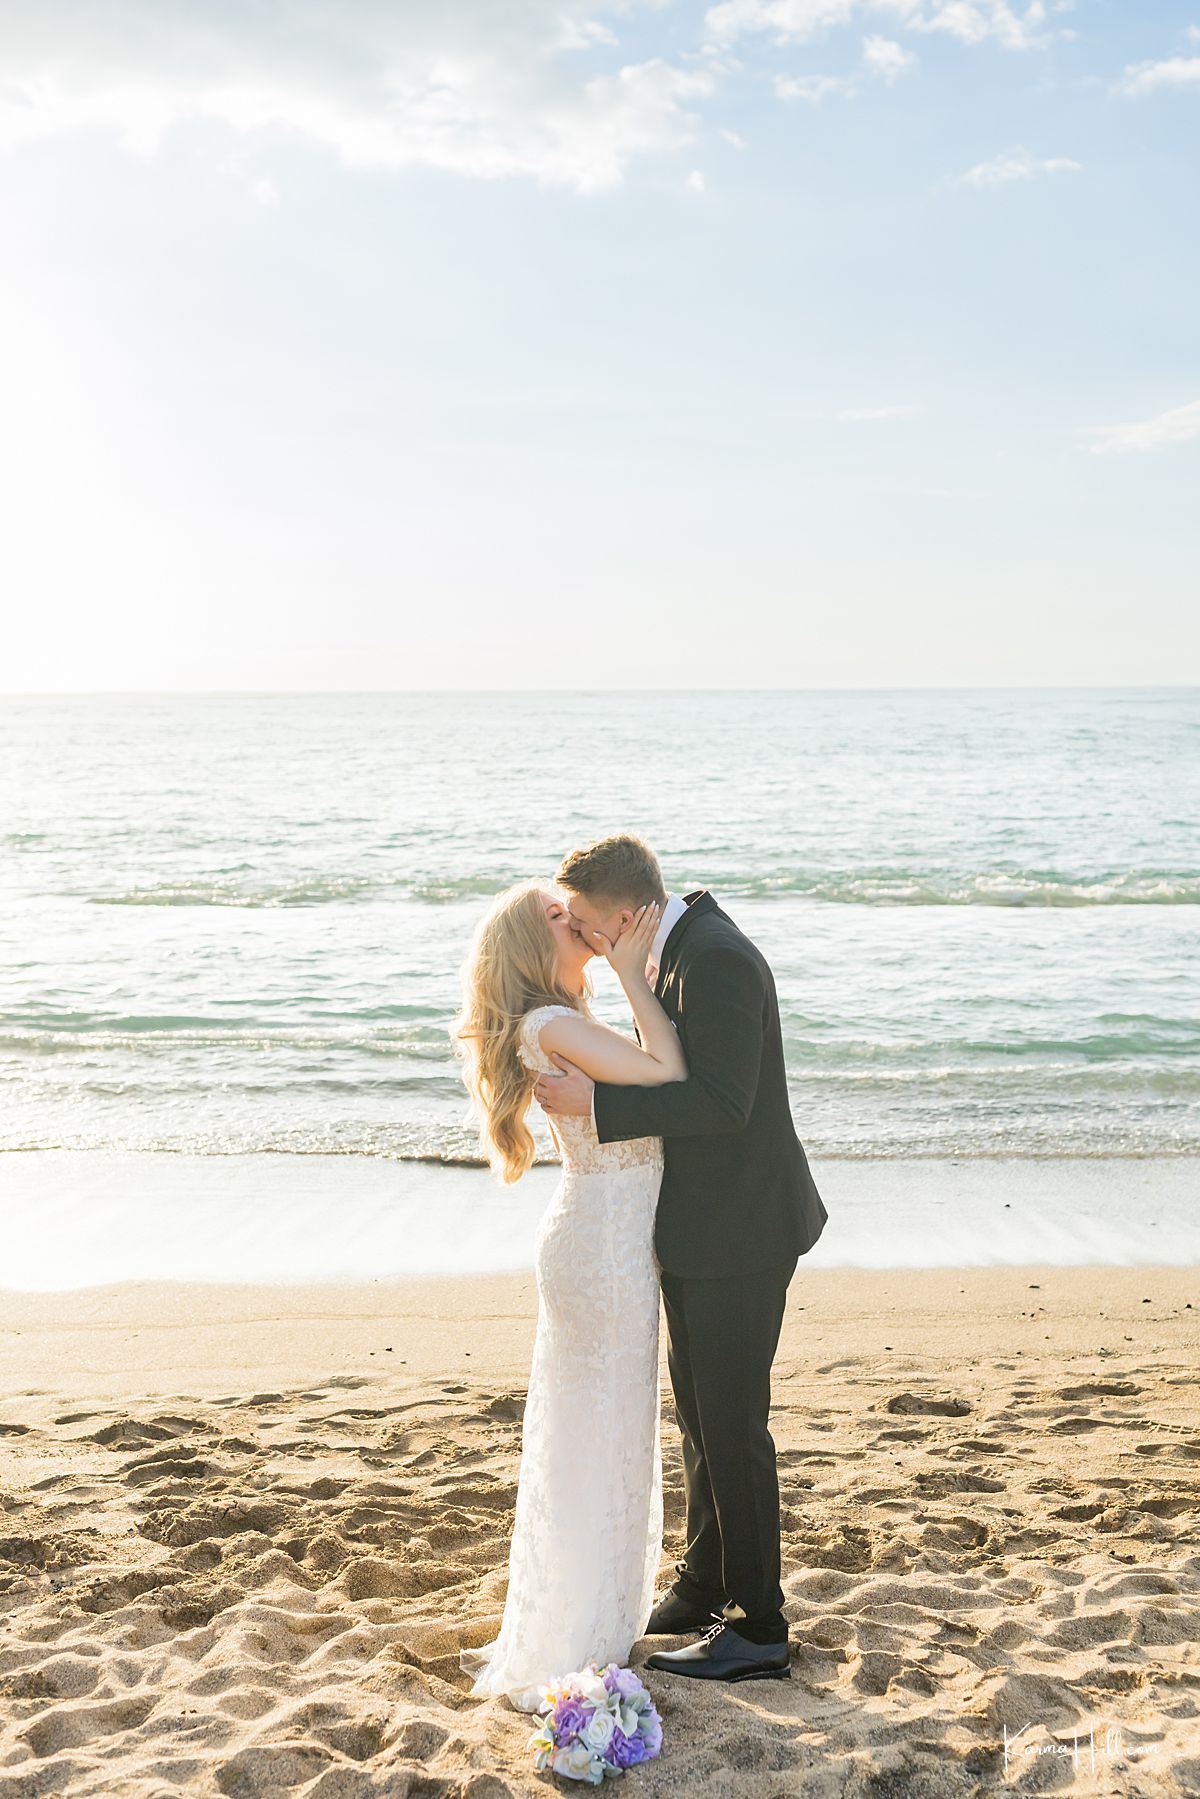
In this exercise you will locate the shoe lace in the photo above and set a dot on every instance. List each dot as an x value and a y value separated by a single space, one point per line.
714 1630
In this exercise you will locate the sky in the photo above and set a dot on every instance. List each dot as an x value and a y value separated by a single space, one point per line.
348 344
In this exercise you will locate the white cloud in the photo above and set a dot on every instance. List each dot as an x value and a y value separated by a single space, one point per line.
1014 165
974 21
695 182
795 21
784 20
880 57
733 137
265 191
1146 77
887 58
813 87
582 34
1180 425
475 89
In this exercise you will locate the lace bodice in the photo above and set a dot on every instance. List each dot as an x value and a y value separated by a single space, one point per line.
581 1149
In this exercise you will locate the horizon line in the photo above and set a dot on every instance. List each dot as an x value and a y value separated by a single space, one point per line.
63 693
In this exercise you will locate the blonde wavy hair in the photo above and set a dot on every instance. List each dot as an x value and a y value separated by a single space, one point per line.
512 967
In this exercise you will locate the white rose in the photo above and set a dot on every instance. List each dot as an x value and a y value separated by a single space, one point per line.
598 1734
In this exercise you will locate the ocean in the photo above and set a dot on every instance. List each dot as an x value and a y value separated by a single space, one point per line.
231 930
233 924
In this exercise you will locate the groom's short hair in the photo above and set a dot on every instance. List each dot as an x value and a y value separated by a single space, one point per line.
622 869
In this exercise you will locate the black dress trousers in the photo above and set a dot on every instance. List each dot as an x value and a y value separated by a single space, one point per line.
722 1334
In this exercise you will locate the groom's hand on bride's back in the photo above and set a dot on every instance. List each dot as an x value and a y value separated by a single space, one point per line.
567 1094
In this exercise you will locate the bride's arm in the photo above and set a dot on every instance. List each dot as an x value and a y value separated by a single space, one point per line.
607 1055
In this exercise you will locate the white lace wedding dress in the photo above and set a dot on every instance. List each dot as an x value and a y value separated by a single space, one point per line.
587 1531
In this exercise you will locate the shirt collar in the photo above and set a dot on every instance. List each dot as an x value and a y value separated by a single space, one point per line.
673 911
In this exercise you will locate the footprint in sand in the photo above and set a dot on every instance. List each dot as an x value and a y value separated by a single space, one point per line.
927 1407
271 1768
128 1433
1165 1505
170 1465
875 1670
178 1527
488 1498
1090 1629
954 1533
70 1727
940 1485
325 1488
28 1552
375 1577
112 1593
1098 1389
423 1460
507 1408
744 1751
61 1677
418 1739
179 1426
357 1738
359 1412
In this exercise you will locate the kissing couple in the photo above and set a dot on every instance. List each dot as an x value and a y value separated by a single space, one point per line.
681 1173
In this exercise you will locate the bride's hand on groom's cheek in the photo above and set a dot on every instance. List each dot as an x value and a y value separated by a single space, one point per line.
567 1094
628 950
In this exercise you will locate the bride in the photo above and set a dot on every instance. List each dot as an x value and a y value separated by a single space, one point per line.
587 1530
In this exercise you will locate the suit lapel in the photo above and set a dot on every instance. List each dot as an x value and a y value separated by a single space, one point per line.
698 902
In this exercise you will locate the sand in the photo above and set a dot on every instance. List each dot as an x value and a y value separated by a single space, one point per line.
244 1532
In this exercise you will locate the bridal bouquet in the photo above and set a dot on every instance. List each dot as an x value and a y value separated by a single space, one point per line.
597 1723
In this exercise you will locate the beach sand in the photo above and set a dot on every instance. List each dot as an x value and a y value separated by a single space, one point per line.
244 1532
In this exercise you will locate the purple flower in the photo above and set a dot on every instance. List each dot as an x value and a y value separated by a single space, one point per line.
569 1717
626 1752
621 1680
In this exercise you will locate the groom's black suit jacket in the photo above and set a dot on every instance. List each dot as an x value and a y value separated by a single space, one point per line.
737 1194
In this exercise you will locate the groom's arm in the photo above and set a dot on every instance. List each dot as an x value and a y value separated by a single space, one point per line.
723 1010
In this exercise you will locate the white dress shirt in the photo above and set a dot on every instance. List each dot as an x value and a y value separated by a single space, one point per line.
673 911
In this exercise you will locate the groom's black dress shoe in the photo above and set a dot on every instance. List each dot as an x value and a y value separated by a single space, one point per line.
673 1615
722 1655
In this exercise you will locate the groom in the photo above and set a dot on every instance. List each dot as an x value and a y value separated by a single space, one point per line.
737 1208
